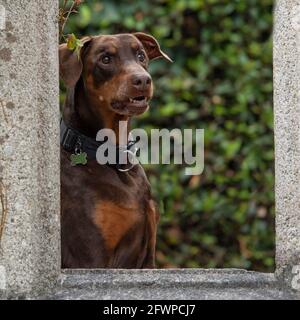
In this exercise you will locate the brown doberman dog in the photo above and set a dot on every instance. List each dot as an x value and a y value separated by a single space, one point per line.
108 217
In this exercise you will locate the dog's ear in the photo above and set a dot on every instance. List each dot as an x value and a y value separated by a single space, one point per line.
151 46
70 63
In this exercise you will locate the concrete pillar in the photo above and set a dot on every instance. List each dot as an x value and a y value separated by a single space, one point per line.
29 146
287 135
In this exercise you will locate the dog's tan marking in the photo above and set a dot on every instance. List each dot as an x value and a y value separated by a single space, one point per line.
112 49
134 45
114 221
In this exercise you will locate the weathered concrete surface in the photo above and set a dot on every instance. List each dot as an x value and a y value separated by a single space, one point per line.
287 135
29 146
29 171
199 284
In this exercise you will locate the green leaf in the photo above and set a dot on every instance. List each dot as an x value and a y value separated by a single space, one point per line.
72 42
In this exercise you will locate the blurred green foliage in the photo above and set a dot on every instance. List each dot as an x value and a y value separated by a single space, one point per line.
221 80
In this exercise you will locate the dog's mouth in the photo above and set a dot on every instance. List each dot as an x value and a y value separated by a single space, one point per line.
132 105
138 100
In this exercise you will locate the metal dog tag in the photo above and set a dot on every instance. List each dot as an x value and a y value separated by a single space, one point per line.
79 158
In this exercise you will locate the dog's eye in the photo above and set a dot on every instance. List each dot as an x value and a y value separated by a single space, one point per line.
141 56
106 59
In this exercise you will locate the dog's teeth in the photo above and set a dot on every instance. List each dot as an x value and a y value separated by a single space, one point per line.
137 100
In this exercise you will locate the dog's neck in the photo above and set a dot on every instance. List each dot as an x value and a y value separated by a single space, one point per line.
88 116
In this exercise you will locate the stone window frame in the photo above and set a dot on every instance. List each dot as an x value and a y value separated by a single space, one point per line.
29 120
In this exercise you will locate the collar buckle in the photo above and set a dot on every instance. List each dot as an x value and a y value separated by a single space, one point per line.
133 162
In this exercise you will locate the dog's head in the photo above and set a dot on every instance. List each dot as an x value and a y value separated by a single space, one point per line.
114 70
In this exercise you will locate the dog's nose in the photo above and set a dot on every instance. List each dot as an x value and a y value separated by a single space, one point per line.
141 81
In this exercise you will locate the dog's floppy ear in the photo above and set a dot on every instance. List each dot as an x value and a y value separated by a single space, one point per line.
151 46
70 63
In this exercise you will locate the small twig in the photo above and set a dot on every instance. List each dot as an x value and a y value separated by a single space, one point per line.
65 4
4 211
63 12
68 15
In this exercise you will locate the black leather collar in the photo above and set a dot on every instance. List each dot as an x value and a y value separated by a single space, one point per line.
72 140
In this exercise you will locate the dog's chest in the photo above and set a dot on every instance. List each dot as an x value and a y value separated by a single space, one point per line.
115 221
114 202
121 209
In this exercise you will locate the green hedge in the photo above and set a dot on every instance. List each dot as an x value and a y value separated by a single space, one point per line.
221 80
